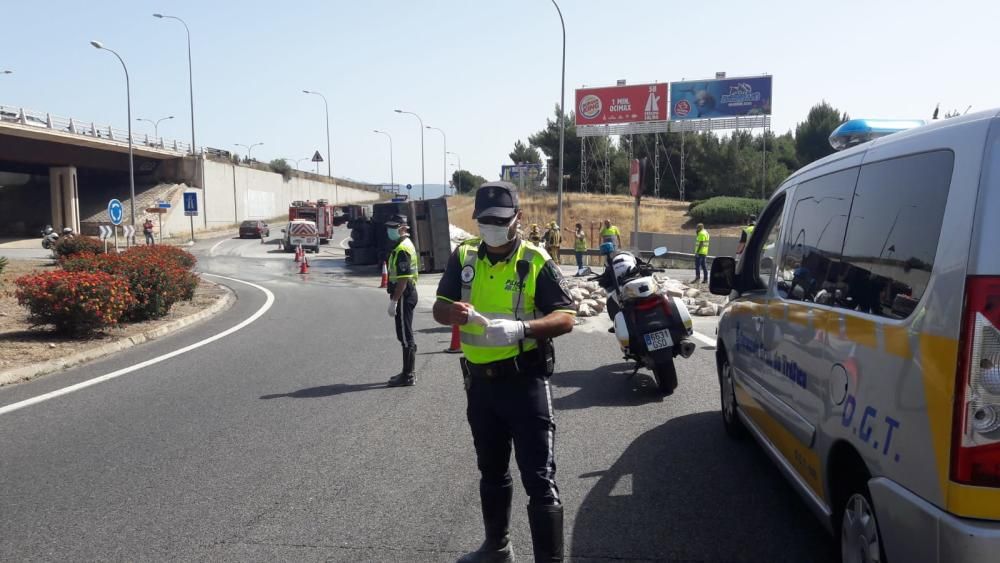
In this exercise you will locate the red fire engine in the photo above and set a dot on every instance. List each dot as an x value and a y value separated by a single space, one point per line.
319 212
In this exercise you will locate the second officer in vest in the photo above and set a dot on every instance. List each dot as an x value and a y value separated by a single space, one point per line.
510 300
403 266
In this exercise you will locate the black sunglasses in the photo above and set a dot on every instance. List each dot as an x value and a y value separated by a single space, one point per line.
495 221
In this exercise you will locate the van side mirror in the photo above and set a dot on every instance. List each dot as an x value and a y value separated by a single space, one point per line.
660 251
722 279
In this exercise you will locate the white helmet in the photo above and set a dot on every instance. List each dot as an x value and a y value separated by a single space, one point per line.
67 230
623 264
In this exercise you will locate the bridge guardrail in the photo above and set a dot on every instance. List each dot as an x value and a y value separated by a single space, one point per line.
22 116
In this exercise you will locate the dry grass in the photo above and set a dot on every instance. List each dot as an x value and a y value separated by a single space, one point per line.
655 215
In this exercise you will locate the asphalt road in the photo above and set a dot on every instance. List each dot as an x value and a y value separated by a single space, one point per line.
280 442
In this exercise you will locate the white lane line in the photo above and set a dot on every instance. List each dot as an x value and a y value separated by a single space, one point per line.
343 243
100 379
704 339
211 251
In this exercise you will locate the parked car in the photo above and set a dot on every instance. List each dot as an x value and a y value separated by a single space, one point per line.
254 229
861 343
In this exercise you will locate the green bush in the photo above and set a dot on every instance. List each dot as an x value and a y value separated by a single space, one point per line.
282 167
68 246
694 204
727 210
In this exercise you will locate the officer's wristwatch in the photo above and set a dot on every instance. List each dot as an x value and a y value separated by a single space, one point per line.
528 333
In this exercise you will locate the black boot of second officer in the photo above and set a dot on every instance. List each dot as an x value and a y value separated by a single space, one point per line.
496 519
546 523
404 377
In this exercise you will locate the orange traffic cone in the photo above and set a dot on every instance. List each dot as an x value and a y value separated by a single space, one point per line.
385 277
298 253
456 341
304 265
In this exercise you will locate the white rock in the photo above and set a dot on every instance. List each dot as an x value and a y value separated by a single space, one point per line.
577 294
674 291
585 311
598 293
599 307
589 303
704 312
692 293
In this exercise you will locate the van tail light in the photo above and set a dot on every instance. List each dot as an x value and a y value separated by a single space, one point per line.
975 458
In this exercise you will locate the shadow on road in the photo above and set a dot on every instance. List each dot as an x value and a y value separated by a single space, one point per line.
435 330
686 492
325 391
605 386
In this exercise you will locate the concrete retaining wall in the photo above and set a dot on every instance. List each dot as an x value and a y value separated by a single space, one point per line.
718 245
229 193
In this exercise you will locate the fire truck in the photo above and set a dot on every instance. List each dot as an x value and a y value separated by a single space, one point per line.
319 212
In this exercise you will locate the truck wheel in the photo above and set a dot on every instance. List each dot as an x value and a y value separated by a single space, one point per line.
860 540
666 377
727 387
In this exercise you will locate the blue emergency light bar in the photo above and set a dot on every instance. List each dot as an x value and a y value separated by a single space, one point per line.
857 131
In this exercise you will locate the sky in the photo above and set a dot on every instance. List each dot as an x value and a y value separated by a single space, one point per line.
487 72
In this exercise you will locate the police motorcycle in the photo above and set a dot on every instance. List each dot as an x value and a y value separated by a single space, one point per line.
651 328
49 237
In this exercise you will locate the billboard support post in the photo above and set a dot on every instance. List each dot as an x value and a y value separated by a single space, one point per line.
763 164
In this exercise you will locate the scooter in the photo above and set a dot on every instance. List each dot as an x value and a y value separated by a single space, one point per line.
651 328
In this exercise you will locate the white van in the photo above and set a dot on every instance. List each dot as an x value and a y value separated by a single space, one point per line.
861 344
301 232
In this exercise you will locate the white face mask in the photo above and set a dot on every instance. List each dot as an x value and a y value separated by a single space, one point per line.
494 235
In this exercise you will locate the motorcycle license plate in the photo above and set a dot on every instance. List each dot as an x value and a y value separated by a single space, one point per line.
658 340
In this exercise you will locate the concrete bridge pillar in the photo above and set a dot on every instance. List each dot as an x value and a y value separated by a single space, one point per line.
65 198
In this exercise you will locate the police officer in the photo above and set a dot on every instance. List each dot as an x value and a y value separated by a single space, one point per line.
509 299
403 266
745 235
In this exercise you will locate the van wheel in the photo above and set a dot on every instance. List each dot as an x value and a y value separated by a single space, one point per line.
727 388
666 377
860 541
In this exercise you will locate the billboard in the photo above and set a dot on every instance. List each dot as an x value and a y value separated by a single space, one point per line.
531 174
728 97
621 104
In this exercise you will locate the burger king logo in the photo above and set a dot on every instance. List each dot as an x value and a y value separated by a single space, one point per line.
590 106
682 108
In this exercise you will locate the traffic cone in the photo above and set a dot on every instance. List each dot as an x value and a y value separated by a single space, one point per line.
304 266
298 253
385 277
456 341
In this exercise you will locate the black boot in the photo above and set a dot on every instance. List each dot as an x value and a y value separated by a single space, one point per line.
404 377
546 523
496 520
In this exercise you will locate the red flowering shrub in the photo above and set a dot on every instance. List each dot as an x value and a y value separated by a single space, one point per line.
156 281
173 254
68 246
75 302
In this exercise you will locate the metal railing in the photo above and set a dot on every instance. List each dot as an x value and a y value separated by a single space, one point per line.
43 120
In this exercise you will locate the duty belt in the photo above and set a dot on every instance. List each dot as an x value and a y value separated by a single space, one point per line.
528 363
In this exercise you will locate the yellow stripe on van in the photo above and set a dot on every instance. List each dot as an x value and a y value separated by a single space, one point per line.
896 340
798 314
804 460
974 502
827 321
939 360
861 331
776 311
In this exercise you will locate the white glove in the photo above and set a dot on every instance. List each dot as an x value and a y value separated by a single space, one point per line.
392 308
477 318
502 332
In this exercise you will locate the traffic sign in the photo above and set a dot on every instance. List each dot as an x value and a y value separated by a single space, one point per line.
634 178
129 231
317 157
163 204
190 204
105 231
157 210
116 211
409 186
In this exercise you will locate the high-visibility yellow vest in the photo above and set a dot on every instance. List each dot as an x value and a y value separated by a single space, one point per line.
701 243
405 245
495 290
608 234
581 244
748 230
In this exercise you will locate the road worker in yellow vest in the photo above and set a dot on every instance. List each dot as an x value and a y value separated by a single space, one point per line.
509 300
745 234
701 240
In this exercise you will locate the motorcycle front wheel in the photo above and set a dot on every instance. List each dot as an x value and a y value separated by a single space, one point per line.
666 377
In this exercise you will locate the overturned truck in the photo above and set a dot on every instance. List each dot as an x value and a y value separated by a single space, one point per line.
369 243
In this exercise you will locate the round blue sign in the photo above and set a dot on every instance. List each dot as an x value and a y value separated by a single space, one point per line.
409 187
116 211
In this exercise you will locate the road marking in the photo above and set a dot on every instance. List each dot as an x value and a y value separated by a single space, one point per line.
704 339
100 379
343 243
211 251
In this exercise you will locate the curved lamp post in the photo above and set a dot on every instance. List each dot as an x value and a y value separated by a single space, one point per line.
423 192
190 73
458 186
128 105
562 113
444 156
392 179
156 124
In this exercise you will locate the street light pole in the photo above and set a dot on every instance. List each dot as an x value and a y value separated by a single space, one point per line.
128 105
562 113
190 72
423 192
248 147
329 155
444 168
392 178
156 124
458 185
